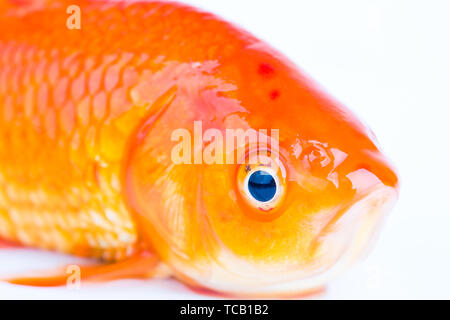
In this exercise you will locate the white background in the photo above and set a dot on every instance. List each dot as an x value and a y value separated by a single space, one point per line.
389 62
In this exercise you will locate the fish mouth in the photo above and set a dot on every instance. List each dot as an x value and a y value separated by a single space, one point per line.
354 229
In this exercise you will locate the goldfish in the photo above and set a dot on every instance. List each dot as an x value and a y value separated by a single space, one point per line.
92 94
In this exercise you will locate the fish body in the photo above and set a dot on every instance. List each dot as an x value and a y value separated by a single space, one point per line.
86 148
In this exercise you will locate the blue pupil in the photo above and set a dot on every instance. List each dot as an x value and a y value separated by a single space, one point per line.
262 186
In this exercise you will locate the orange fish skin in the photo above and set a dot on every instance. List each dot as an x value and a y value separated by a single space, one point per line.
86 118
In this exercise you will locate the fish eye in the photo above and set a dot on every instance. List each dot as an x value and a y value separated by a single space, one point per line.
262 185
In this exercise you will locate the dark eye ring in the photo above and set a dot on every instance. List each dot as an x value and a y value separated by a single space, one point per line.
262 186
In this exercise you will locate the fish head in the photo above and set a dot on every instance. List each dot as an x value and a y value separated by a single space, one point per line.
279 214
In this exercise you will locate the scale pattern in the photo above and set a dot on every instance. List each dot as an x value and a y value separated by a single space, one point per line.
69 101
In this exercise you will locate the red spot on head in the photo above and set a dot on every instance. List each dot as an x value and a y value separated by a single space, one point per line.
266 70
274 94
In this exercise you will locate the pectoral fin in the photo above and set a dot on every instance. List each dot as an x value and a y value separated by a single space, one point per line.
4 244
144 265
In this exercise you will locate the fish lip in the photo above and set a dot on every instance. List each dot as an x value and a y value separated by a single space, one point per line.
347 222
